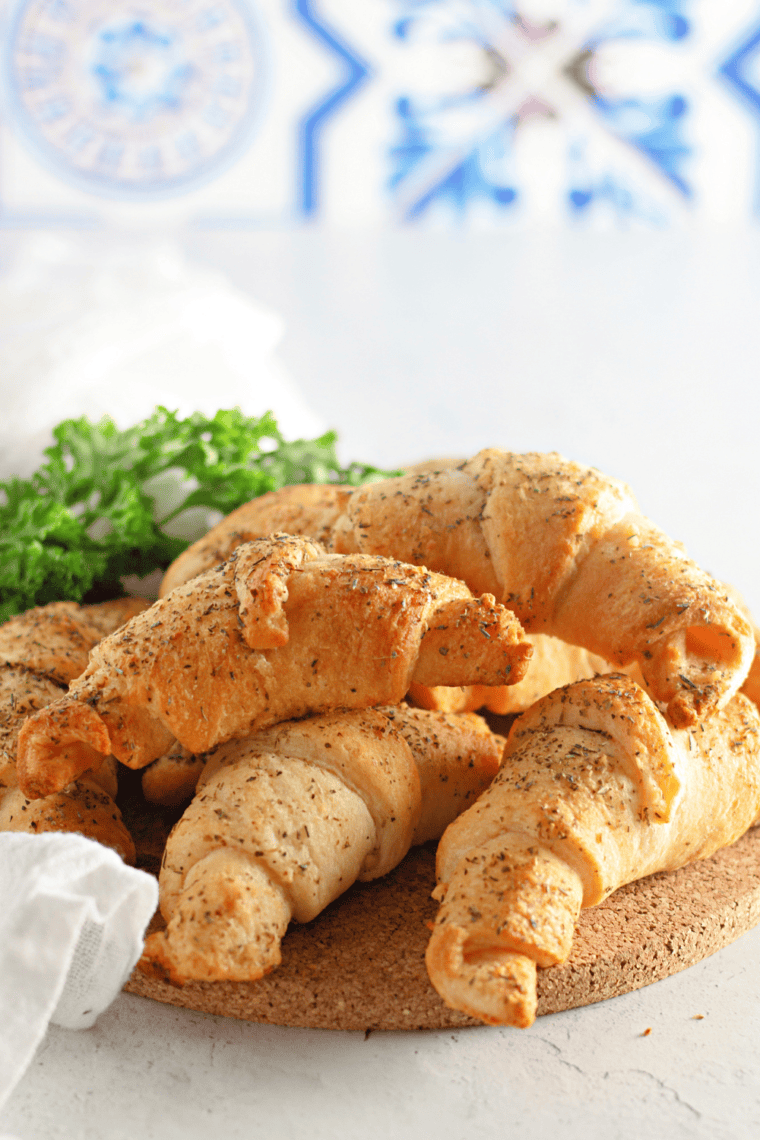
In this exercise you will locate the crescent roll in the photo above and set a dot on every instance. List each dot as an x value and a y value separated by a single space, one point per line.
41 650
281 630
563 545
285 821
595 790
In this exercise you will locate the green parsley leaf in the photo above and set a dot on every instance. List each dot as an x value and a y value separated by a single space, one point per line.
98 508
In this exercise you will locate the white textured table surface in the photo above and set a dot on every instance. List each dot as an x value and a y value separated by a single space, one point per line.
165 1074
637 354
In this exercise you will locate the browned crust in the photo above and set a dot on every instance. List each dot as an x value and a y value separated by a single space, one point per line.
553 663
83 807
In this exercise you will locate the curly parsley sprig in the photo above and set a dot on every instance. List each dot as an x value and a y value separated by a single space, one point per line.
92 513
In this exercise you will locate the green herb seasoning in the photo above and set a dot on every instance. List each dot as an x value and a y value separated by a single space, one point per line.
98 508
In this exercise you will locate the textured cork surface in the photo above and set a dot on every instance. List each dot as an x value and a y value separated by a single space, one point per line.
360 964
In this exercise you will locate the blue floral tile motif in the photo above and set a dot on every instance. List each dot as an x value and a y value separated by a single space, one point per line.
134 100
742 69
481 174
443 154
458 144
123 58
655 126
481 113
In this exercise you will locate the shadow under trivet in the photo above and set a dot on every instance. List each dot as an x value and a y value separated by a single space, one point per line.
361 963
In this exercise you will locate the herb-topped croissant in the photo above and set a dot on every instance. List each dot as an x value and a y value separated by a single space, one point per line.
280 630
42 650
595 791
285 821
563 545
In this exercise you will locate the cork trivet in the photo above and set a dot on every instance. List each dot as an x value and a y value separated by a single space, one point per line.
360 964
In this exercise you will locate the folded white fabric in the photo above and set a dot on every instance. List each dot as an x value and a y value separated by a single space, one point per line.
72 922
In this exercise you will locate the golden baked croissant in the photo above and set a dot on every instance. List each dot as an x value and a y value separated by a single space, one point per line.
280 630
172 779
40 651
55 640
595 790
285 821
553 663
568 549
563 545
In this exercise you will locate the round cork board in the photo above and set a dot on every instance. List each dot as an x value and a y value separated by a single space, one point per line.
361 963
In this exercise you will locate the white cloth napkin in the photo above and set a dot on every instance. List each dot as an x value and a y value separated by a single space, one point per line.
72 922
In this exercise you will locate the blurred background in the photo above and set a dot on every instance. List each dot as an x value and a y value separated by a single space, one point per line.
434 225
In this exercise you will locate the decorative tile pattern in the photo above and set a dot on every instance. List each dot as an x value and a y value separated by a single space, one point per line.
426 112
309 132
128 104
461 144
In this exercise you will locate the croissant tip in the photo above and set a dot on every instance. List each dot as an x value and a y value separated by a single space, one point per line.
155 963
494 984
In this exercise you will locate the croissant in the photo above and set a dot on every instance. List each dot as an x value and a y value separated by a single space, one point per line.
172 779
563 545
40 651
285 821
55 640
280 630
595 790
553 663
